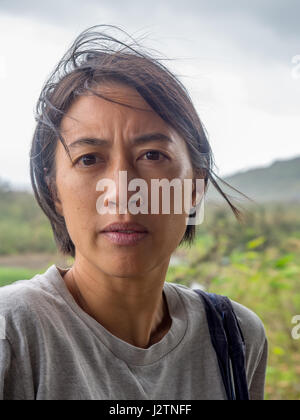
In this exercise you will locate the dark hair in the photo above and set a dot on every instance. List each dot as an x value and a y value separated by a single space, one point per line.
97 57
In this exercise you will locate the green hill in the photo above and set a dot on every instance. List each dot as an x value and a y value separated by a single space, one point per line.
279 182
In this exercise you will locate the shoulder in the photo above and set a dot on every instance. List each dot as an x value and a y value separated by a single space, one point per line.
249 321
256 344
255 337
252 328
251 325
22 302
185 292
17 295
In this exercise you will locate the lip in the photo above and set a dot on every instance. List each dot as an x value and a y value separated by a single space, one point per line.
118 226
119 238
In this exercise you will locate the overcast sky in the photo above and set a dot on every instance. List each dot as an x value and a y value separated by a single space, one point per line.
239 59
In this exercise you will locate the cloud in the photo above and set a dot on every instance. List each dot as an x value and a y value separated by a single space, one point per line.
266 28
281 16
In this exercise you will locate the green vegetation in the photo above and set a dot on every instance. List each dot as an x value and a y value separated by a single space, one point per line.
9 275
23 227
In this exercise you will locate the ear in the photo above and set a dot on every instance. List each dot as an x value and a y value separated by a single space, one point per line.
54 195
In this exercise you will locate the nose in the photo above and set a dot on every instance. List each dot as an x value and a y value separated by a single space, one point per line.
121 173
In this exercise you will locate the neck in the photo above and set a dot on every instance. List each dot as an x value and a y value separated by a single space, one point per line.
133 308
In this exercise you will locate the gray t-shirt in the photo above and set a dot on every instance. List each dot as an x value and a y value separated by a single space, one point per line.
53 350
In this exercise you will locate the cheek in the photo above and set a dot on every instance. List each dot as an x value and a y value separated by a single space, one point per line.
169 236
168 231
176 226
79 206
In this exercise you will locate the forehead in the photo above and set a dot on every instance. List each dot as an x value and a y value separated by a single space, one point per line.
92 114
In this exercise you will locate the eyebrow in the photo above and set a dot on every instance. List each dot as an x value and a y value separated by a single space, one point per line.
143 139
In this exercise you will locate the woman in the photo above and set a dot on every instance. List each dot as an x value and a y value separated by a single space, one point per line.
110 327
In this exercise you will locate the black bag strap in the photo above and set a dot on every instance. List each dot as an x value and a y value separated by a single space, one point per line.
228 342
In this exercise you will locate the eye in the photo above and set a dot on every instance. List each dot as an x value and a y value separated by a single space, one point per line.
154 155
87 160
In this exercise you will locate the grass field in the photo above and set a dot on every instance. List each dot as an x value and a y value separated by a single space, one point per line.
10 275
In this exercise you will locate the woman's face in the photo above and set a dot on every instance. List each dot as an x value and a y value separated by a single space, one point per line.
96 118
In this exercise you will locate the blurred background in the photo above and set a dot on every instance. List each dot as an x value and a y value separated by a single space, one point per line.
240 61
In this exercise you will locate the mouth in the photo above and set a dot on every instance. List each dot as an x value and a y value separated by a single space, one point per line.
127 228
129 232
125 237
120 233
